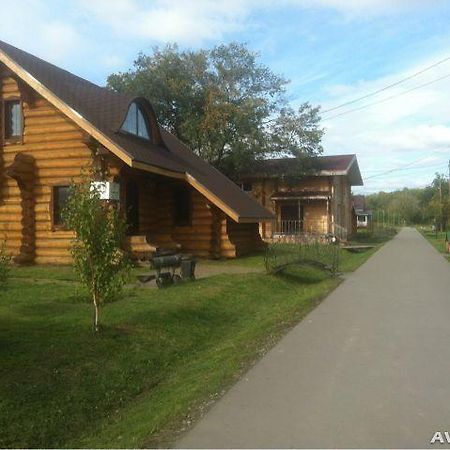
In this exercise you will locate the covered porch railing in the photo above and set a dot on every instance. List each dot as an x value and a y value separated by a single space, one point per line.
288 227
299 229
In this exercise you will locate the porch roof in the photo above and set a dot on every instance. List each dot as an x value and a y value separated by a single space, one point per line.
100 112
301 195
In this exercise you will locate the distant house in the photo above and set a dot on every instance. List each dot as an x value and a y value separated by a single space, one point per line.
56 125
318 203
363 215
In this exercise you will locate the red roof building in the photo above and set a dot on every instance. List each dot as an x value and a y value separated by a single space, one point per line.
313 198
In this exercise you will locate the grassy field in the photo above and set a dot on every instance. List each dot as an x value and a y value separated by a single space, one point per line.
437 240
162 354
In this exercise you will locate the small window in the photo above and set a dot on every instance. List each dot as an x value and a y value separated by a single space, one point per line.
135 122
182 203
246 186
13 120
60 194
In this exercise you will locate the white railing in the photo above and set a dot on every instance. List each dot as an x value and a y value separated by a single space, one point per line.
288 227
298 230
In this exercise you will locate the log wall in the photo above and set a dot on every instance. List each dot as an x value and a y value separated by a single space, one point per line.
59 152
316 215
58 149
341 204
238 239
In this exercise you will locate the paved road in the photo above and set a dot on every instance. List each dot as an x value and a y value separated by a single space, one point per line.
369 367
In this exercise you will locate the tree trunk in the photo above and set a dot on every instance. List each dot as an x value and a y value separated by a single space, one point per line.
96 312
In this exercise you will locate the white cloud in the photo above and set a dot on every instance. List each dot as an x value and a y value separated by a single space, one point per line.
396 132
32 27
189 22
192 22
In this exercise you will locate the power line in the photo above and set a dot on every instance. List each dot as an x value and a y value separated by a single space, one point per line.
388 98
389 86
408 168
401 167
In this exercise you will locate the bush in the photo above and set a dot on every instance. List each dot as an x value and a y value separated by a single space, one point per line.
5 263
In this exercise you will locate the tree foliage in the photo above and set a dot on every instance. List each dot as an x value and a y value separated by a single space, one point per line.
5 263
99 260
223 104
416 206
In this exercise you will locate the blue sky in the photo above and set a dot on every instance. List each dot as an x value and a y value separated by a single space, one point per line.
332 51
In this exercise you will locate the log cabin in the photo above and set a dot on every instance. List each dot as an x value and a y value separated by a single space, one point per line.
319 202
56 127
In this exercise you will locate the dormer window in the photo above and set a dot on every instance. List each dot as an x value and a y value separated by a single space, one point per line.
136 123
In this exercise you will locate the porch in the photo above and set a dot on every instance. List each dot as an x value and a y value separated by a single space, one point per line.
164 213
300 213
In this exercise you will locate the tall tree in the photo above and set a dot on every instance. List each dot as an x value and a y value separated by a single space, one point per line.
224 104
415 206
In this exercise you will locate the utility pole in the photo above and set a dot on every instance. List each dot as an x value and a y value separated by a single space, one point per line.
441 225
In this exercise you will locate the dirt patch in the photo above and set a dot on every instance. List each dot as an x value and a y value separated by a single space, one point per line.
205 270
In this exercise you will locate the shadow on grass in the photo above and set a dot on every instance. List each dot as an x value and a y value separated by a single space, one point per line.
303 274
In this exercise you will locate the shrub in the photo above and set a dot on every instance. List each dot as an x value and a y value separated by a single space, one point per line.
100 262
5 263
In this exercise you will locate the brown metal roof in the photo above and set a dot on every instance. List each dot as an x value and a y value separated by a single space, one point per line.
101 112
322 165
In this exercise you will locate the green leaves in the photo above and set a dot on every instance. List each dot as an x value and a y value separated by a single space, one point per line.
422 205
223 104
99 260
5 263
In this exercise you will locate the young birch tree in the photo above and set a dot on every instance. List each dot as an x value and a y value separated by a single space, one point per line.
100 262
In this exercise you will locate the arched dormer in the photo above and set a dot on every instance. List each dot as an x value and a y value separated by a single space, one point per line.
140 121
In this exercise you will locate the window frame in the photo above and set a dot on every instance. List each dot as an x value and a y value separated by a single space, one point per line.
14 139
148 126
56 226
188 221
245 184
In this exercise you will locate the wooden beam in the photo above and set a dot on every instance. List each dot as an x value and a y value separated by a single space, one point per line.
27 94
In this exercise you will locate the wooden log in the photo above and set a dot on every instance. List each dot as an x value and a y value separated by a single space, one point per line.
10 212
47 120
50 129
59 252
53 244
53 260
41 113
53 137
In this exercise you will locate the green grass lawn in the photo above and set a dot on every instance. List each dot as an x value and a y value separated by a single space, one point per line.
437 240
160 356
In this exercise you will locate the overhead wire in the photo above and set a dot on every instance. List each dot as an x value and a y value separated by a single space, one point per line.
389 86
388 98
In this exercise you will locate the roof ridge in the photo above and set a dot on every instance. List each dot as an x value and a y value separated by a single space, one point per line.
5 46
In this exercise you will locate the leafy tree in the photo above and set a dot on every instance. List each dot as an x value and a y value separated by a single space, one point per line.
428 205
439 204
101 264
223 104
